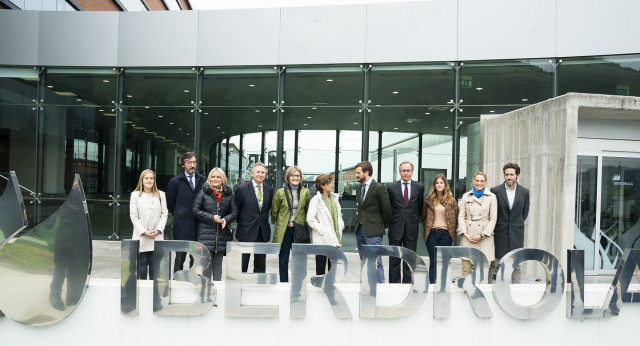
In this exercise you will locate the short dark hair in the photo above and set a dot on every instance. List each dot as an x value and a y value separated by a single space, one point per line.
186 156
366 167
511 165
322 180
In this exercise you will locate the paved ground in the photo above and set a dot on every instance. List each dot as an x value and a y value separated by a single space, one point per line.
106 264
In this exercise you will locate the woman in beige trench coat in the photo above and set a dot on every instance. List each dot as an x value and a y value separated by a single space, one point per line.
477 218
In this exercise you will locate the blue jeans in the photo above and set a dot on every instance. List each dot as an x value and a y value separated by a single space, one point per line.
362 239
437 237
283 257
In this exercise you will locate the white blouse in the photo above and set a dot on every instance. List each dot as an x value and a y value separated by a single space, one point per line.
148 213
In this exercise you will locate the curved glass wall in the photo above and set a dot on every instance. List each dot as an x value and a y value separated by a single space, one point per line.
110 124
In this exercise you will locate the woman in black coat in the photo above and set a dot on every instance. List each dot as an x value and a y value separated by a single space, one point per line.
215 209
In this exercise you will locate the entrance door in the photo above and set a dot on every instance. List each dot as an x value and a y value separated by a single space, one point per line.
607 208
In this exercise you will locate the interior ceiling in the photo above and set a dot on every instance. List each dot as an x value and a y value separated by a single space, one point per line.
608 113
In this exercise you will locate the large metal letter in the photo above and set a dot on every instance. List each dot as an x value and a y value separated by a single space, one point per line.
327 282
368 284
37 266
162 283
129 257
442 296
624 274
553 290
235 278
13 214
575 296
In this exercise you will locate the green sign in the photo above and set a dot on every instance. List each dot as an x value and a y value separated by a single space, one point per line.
466 82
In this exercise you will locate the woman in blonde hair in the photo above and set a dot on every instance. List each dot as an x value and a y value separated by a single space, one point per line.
215 208
477 218
148 212
440 220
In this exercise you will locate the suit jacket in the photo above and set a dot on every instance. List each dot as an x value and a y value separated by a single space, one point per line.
401 214
180 198
374 212
509 230
252 219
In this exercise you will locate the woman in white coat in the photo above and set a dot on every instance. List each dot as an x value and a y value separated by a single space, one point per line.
148 212
324 217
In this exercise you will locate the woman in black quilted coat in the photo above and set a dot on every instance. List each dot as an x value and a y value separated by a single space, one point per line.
215 209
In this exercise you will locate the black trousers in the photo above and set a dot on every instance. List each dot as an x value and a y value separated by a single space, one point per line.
259 260
179 261
321 264
394 262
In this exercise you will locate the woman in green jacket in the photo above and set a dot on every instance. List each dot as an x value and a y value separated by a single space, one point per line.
286 217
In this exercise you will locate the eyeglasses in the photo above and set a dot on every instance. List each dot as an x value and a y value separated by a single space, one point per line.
406 171
191 163
295 175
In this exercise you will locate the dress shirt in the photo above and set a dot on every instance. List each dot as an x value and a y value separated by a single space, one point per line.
511 195
402 182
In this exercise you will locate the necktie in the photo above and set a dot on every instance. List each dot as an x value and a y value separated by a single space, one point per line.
193 187
259 195
406 194
364 191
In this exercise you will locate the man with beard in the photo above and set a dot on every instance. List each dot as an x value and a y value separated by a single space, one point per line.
374 212
181 192
513 208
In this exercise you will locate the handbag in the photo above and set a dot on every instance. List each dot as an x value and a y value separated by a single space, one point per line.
300 231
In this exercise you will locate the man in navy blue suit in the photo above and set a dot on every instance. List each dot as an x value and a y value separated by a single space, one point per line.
181 192
254 205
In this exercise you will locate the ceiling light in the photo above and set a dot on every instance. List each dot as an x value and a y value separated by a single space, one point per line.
355 123
257 111
479 89
129 96
105 80
100 110
139 128
170 123
427 113
259 125
128 122
525 100
206 113
446 127
394 92
65 93
78 100
395 128
309 117
185 90
147 107
492 111
329 80
218 127
159 116
109 114
252 85
179 128
314 107
304 124
49 86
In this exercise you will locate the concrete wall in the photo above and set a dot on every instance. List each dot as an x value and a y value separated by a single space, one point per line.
437 30
543 140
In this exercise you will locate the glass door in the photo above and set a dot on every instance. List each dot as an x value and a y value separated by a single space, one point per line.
607 208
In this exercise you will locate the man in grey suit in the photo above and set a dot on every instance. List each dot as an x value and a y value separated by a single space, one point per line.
513 208
374 212
406 200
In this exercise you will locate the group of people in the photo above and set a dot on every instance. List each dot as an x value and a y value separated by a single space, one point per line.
204 208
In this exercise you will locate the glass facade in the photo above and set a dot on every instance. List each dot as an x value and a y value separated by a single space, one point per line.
109 124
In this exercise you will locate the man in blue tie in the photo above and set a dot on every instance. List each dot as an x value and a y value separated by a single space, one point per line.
181 192
374 212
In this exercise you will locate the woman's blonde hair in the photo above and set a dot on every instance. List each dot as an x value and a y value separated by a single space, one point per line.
446 198
220 172
482 174
140 187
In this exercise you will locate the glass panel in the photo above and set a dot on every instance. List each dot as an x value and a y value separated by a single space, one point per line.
316 152
586 189
240 87
412 84
518 82
18 146
612 75
79 140
18 86
87 87
160 87
398 147
270 148
373 151
620 209
252 148
324 86
470 146
234 160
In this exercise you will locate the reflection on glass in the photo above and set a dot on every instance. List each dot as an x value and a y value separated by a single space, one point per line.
518 82
160 87
234 160
619 209
412 84
13 215
240 87
585 215
54 258
350 155
609 75
324 86
398 147
18 85
252 149
86 87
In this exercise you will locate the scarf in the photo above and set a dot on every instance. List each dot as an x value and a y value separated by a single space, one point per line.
478 194
333 209
217 192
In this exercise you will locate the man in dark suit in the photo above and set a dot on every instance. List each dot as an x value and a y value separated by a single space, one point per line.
254 205
406 200
374 212
513 208
181 192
